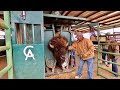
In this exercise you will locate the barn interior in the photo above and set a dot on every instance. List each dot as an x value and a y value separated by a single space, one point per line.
82 21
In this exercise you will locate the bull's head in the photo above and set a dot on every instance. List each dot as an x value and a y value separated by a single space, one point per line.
52 46
59 48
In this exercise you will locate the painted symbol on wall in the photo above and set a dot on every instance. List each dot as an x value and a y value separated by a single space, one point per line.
29 53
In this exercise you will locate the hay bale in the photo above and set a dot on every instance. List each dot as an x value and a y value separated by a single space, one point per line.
2 24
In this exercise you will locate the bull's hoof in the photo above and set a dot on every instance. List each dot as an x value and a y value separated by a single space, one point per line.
66 70
52 72
58 72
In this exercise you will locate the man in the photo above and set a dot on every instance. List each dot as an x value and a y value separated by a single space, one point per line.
85 49
114 58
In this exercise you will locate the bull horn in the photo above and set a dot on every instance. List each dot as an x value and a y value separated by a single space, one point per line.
51 45
67 44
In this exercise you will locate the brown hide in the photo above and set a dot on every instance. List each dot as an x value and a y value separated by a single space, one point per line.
111 48
59 48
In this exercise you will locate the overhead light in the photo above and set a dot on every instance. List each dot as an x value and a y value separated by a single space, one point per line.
113 13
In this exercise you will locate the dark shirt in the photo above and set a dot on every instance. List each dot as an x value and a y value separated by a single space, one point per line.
112 50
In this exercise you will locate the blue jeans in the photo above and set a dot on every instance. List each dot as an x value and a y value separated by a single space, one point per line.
103 57
73 56
90 67
114 67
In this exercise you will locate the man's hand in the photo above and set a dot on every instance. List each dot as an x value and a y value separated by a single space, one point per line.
70 48
116 57
83 55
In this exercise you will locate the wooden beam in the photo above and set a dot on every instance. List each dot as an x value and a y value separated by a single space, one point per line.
50 12
92 14
106 16
109 26
73 13
64 13
79 13
113 22
67 13
84 13
111 19
99 16
89 15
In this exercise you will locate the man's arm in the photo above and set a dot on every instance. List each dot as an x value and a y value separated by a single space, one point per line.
90 47
72 47
117 51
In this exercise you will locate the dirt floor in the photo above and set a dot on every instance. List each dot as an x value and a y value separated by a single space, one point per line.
3 64
71 75
84 75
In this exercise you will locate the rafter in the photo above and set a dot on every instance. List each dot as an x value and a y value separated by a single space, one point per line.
99 16
112 22
111 19
64 13
73 13
89 15
67 13
79 13
106 16
94 12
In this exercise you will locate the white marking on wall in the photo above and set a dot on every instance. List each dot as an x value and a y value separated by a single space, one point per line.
29 53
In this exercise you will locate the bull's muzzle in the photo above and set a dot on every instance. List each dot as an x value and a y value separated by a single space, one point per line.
62 57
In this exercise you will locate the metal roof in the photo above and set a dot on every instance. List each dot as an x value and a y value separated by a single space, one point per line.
107 19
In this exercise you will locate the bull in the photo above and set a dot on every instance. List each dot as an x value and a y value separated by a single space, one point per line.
58 46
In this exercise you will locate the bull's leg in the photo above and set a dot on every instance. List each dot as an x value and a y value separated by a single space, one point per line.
67 67
54 65
67 64
47 69
64 67
64 70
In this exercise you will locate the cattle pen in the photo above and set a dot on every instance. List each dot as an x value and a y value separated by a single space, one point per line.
28 34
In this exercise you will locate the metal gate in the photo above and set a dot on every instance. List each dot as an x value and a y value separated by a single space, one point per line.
100 51
51 34
8 47
28 44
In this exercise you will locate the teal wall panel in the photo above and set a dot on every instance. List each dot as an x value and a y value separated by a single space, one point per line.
34 35
30 68
48 35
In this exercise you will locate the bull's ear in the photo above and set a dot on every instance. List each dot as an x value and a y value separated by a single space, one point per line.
51 45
